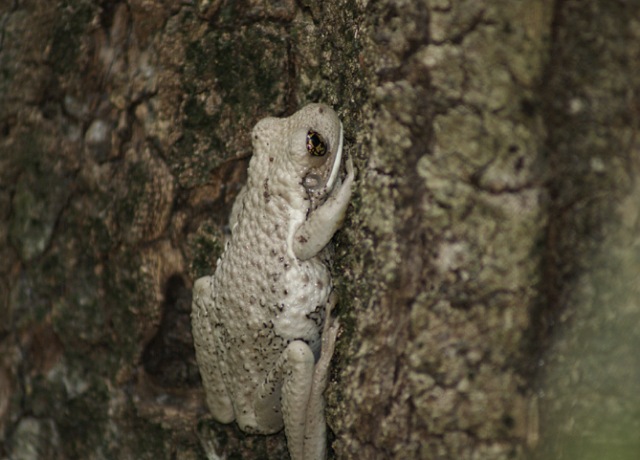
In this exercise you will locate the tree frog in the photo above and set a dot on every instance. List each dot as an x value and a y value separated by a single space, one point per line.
262 328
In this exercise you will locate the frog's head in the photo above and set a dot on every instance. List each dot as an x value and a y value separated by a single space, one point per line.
315 149
298 158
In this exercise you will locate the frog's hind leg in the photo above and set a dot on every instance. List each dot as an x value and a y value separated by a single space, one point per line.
218 399
284 395
293 393
315 426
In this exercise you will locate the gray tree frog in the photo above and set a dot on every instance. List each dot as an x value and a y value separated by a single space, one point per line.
261 324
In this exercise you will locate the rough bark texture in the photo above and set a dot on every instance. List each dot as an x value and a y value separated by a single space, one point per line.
489 300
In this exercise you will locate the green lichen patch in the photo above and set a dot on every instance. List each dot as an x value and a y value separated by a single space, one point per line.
80 412
206 246
74 18
250 65
247 68
40 194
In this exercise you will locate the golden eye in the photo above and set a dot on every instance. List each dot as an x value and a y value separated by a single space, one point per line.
315 145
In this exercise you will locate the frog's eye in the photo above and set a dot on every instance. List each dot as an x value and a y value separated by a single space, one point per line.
316 146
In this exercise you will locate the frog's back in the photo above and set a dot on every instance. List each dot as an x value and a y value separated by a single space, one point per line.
263 298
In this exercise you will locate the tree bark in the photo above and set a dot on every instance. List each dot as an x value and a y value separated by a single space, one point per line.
486 273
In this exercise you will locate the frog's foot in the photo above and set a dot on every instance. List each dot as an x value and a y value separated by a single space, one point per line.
329 336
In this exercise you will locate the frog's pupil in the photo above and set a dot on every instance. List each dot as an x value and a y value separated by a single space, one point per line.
315 144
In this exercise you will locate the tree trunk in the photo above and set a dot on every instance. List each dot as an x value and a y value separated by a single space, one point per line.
488 295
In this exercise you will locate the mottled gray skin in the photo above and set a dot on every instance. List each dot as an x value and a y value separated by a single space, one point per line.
261 324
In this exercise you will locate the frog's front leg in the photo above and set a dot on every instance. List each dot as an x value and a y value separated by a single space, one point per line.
296 385
315 232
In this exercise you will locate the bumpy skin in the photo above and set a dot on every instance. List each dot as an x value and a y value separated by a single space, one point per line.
261 324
